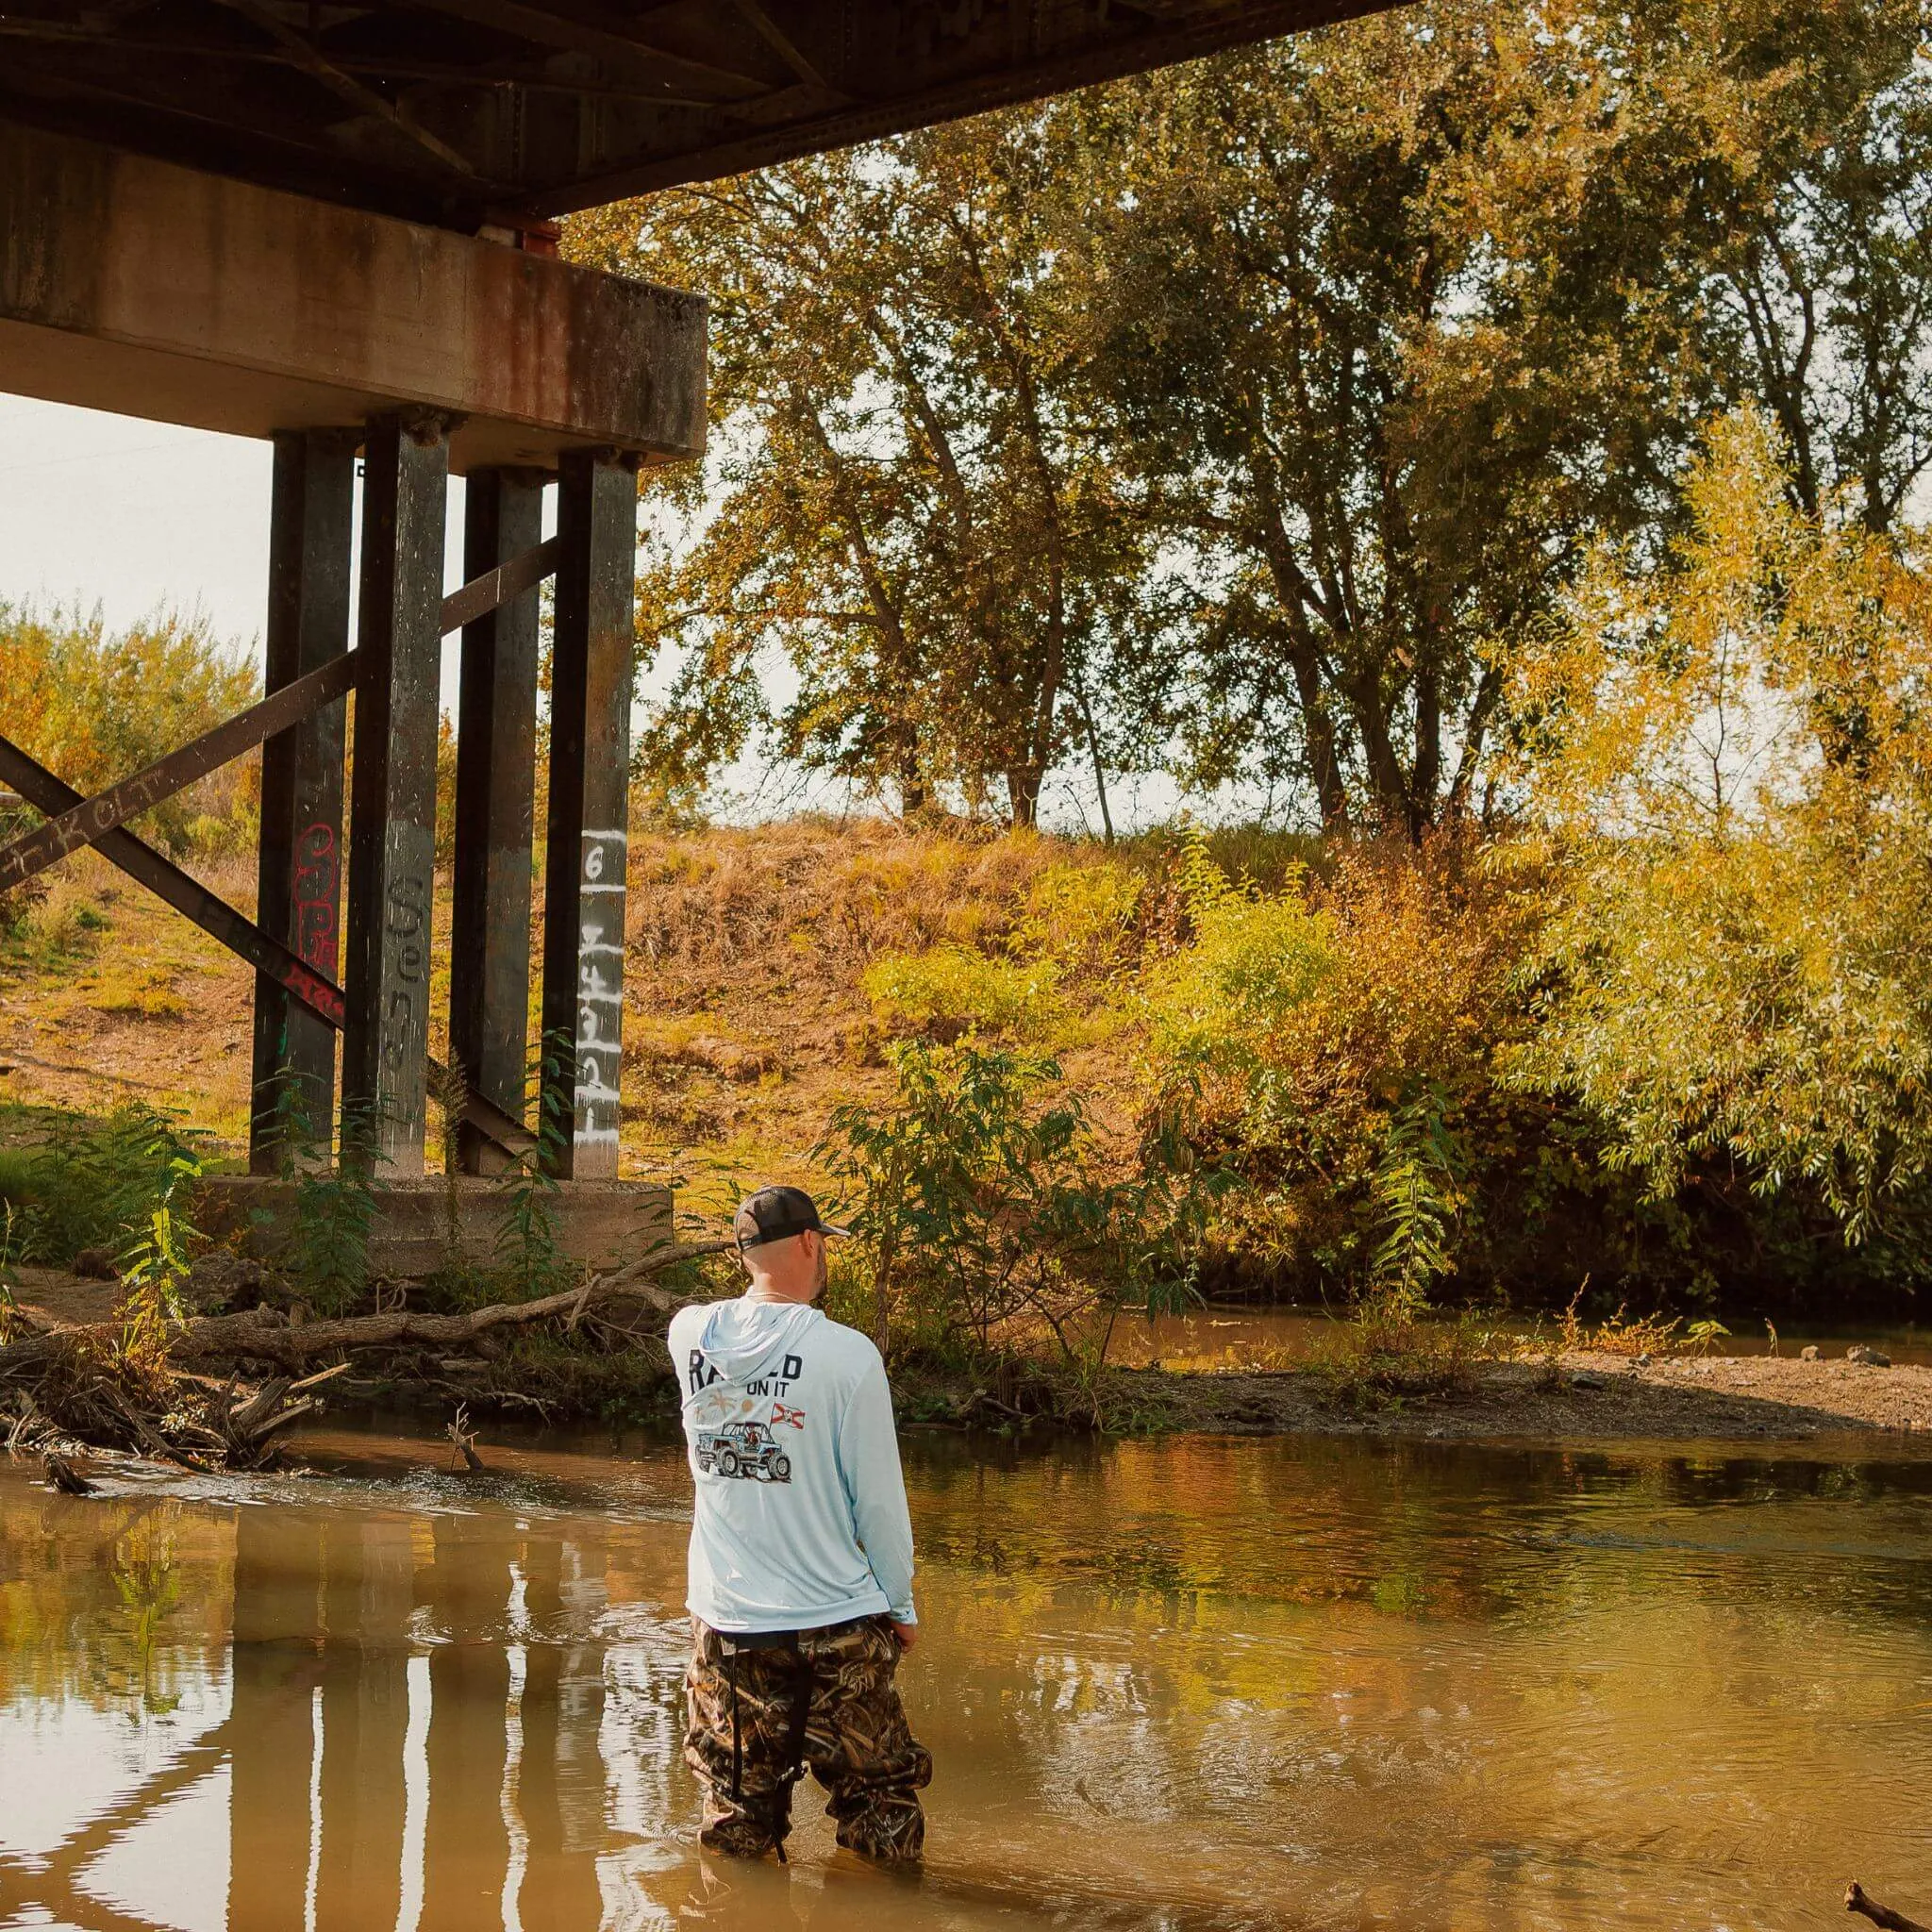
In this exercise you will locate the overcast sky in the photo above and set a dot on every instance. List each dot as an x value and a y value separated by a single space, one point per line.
142 516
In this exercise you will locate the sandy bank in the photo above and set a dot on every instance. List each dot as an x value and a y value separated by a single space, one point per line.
1718 1397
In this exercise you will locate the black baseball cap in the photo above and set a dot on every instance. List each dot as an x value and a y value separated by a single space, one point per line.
775 1214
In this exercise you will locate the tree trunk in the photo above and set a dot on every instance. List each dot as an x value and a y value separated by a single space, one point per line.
1023 795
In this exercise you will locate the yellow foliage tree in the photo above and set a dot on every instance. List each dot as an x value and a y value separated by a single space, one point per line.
1729 749
97 705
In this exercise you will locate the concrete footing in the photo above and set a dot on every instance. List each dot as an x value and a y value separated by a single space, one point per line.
605 1224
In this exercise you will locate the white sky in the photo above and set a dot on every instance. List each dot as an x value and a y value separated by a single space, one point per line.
138 516
132 515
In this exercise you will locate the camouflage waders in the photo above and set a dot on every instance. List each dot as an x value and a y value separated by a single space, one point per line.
762 1709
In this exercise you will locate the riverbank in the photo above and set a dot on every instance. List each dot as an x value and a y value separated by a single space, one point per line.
1738 1398
1563 1395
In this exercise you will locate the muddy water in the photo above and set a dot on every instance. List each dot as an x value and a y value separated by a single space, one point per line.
1195 1684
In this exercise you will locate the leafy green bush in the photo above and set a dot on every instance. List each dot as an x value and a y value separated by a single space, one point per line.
74 1181
99 705
1215 1004
985 1215
325 1252
952 990
1080 918
1730 753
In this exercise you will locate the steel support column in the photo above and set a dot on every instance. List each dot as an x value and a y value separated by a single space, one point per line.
393 828
586 837
496 775
298 896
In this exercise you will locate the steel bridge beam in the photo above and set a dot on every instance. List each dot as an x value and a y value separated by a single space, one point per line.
299 892
392 830
496 772
588 841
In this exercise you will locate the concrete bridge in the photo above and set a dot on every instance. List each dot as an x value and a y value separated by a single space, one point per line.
328 225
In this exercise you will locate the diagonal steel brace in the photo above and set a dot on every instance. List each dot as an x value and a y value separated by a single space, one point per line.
220 921
86 821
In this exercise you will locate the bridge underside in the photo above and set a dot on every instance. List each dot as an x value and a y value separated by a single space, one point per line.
472 113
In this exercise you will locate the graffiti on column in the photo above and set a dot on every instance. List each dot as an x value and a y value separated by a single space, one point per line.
317 894
600 988
405 970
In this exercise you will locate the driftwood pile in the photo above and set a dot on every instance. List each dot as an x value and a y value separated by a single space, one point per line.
64 1384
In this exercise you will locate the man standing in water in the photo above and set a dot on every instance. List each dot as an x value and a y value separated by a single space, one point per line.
801 1554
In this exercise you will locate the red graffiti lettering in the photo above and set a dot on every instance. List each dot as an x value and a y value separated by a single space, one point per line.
317 894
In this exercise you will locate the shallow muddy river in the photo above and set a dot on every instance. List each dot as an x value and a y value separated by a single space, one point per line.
1197 1683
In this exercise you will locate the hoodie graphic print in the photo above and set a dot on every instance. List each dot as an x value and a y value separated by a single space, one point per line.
801 1517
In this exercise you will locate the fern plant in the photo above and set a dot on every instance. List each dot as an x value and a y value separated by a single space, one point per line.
1414 1186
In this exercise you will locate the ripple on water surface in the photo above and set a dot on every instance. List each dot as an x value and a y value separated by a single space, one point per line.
1197 1683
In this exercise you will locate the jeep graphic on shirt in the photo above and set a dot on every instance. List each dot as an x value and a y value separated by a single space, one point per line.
743 1449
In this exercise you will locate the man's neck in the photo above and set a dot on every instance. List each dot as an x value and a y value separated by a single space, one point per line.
762 1291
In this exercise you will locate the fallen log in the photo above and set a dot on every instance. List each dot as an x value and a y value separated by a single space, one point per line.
1855 1901
248 1336
75 1381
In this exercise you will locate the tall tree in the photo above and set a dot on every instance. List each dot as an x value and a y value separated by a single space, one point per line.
1812 270
1373 325
902 503
1247 417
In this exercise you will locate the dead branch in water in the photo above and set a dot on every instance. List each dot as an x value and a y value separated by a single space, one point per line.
1855 1901
62 1475
461 1433
74 1381
229 1337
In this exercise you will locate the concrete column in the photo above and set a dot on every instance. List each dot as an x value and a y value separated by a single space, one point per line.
496 772
590 774
392 832
299 893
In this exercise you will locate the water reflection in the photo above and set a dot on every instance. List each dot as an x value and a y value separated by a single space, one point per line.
1200 1683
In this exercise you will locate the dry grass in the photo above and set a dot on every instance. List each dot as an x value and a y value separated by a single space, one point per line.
744 1021
810 901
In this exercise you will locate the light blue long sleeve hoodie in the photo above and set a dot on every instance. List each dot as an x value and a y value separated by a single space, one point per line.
801 1516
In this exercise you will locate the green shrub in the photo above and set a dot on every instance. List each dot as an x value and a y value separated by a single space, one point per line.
97 705
74 1181
951 991
1730 753
985 1216
1217 1002
1080 918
